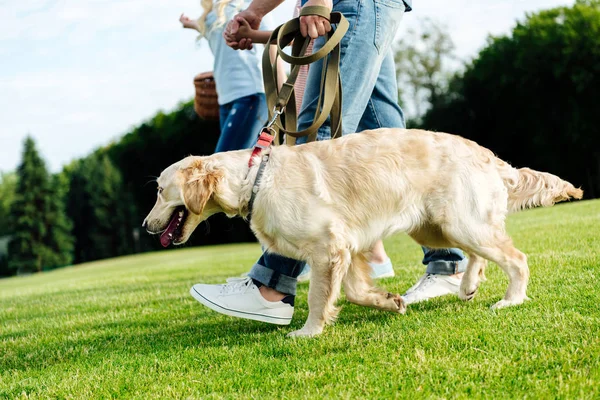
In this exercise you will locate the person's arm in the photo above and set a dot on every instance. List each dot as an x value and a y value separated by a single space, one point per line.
281 75
245 31
188 23
253 14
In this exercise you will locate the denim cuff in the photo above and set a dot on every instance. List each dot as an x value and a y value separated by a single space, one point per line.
447 267
273 279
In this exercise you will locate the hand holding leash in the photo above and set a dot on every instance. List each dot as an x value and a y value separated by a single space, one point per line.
315 25
330 98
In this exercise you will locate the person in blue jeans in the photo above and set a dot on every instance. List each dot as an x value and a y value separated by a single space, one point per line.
238 76
370 101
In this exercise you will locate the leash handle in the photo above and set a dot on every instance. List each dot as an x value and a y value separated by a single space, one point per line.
321 11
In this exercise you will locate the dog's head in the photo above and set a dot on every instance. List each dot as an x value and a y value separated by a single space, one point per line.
185 198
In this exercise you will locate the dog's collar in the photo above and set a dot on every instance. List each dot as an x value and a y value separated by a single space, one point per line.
264 142
259 173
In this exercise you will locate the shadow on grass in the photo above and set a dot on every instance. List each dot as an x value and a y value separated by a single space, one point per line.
169 330
96 342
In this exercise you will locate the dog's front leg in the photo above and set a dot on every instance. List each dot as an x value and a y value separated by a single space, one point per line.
325 286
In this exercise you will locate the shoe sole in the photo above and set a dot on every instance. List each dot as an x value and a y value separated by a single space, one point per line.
239 314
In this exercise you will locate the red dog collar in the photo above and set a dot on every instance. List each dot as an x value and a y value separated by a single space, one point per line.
264 141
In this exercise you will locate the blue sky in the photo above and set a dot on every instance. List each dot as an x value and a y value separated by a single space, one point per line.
78 74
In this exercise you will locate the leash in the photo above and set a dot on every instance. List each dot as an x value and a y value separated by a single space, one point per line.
281 104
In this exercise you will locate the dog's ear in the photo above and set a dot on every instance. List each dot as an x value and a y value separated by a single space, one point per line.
199 184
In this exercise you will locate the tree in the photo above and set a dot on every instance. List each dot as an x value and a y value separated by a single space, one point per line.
59 241
530 96
40 237
8 184
27 248
424 59
100 209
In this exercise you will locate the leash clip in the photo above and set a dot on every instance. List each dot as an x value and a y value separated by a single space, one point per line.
276 113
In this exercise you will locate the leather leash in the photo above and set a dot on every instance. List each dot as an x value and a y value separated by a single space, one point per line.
281 103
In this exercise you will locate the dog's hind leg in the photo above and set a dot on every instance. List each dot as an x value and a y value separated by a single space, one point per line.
500 249
472 277
514 264
360 290
324 290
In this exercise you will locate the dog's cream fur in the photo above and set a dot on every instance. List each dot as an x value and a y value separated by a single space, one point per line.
329 202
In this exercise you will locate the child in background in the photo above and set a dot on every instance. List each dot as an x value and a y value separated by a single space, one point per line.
238 76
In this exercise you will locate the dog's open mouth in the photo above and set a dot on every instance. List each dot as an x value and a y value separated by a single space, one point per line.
173 230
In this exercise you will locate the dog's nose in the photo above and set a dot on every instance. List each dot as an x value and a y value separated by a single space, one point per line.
145 224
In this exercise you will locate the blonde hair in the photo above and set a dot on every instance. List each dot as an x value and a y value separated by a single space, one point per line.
207 6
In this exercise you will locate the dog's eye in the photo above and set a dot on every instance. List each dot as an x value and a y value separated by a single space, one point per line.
160 190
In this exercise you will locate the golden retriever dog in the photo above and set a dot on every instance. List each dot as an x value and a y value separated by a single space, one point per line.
328 202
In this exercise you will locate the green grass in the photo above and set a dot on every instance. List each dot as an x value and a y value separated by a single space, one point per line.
127 327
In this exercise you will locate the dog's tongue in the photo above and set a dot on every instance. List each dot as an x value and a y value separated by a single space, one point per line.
166 238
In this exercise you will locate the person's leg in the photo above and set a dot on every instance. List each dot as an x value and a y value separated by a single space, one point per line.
276 272
364 48
444 266
241 121
367 65
383 111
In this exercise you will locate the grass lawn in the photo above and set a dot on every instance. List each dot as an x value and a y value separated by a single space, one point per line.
127 327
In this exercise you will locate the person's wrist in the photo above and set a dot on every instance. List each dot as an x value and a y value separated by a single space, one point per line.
256 10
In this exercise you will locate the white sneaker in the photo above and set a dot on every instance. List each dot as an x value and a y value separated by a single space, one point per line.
240 297
430 286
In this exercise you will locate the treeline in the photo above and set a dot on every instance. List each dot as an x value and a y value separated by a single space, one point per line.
530 96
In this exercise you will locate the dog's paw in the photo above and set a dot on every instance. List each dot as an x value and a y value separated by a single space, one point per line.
398 305
507 303
305 333
467 290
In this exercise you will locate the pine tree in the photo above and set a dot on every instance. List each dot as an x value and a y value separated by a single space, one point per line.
59 240
27 248
8 184
41 230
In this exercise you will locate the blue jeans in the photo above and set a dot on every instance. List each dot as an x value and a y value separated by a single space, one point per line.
241 121
370 94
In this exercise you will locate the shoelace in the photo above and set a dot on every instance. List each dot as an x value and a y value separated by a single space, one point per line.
236 285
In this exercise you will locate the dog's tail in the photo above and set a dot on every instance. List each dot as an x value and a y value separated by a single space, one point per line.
528 188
